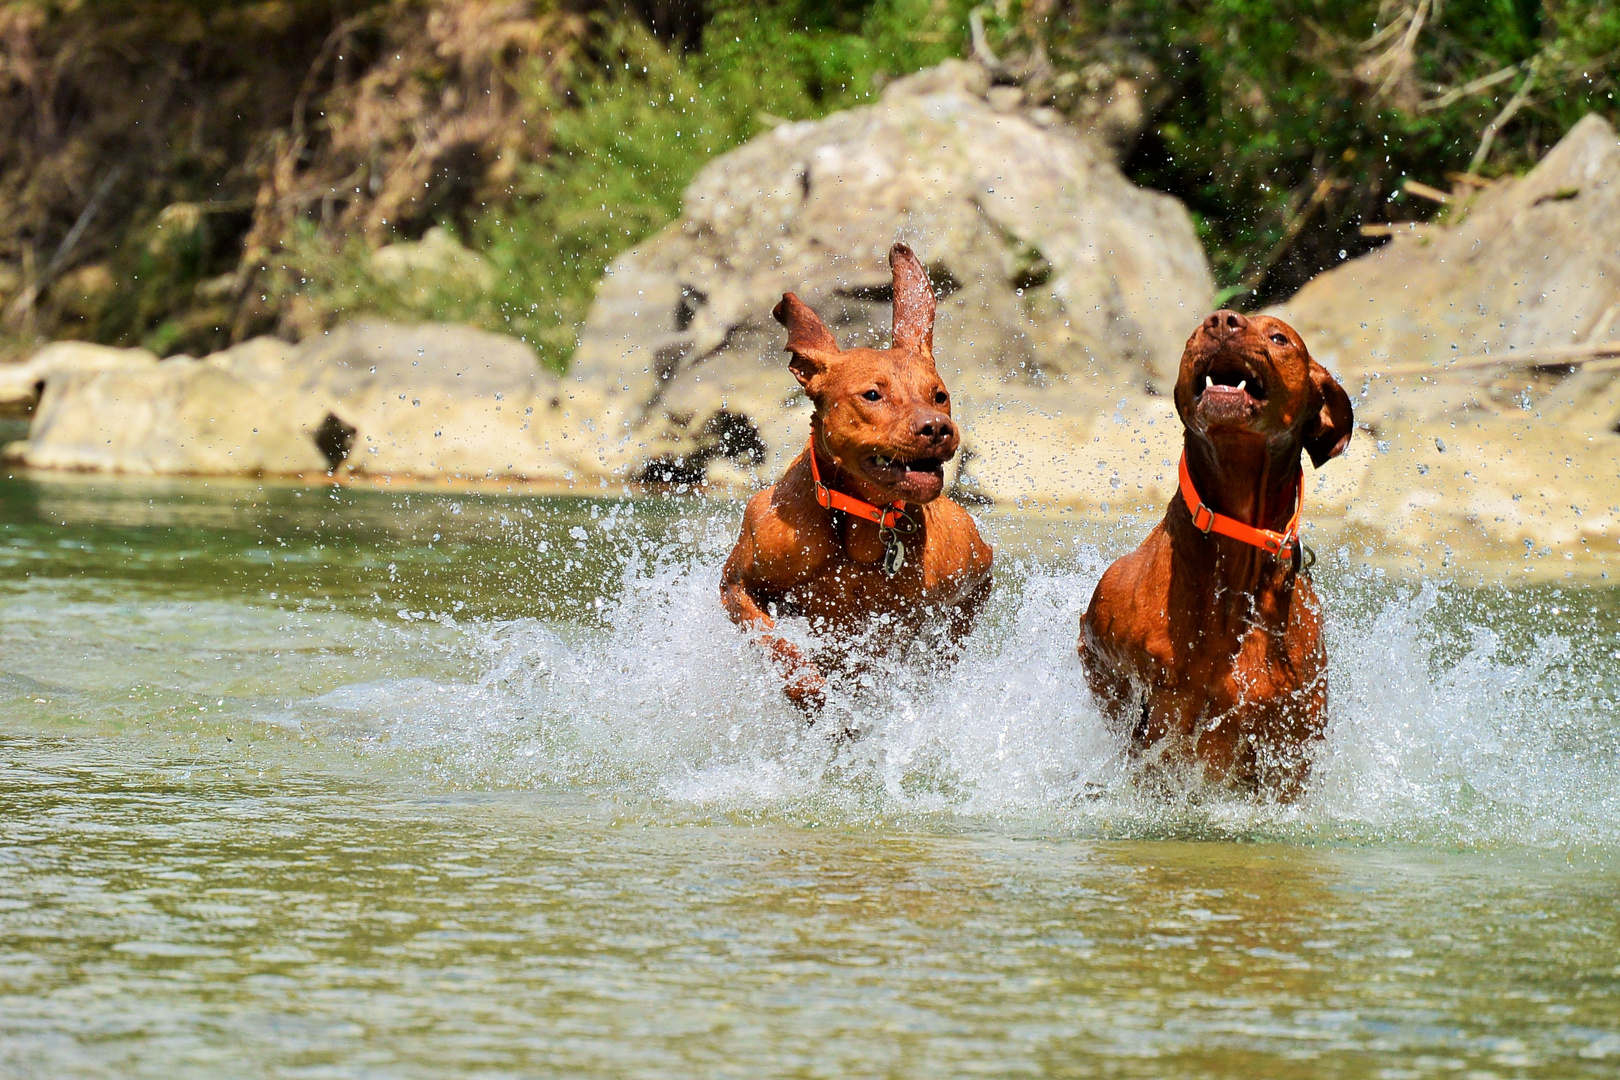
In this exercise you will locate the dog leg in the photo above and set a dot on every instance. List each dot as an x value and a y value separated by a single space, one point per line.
803 682
964 615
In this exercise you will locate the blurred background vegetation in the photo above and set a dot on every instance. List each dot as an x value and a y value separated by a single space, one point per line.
182 174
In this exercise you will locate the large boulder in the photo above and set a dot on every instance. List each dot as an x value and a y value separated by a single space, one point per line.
1062 286
375 397
1480 351
21 384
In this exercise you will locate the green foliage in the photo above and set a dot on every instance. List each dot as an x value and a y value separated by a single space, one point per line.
1287 124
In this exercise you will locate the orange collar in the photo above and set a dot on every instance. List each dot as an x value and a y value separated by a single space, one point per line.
1207 521
837 500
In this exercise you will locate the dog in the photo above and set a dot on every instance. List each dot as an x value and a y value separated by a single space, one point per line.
1207 640
858 530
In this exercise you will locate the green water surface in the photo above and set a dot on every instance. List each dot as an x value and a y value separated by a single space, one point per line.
209 867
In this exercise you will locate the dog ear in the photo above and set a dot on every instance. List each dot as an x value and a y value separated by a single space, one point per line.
811 343
1328 432
913 302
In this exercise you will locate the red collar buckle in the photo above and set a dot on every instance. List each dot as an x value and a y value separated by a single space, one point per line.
1203 518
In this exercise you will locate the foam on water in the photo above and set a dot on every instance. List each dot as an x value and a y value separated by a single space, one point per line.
1439 730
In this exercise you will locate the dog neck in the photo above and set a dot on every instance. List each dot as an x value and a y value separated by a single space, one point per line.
862 540
1247 480
1223 584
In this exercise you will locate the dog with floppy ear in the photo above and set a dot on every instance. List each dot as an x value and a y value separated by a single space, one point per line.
858 527
1207 640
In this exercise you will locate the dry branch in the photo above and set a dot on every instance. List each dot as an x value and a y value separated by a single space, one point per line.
1484 82
19 310
1399 228
1392 68
1424 191
1509 111
981 43
1296 223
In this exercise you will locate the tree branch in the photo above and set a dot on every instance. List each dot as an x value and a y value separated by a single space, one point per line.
1509 111
1456 94
17 311
981 44
1571 355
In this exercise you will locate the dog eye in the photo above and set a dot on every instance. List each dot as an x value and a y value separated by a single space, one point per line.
1281 339
872 395
941 397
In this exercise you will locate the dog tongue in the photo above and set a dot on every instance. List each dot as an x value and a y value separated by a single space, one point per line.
924 483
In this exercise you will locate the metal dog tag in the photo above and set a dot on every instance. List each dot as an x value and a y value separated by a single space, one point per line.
894 553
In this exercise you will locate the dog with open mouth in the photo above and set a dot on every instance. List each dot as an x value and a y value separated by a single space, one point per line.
1207 639
858 529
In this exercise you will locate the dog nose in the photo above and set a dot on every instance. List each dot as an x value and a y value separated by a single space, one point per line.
1225 322
935 427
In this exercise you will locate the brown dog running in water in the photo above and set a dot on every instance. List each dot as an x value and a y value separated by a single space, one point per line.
857 529
1207 639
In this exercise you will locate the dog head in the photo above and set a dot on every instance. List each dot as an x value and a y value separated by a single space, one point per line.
883 414
1249 378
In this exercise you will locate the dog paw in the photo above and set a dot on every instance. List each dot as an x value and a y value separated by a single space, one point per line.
808 691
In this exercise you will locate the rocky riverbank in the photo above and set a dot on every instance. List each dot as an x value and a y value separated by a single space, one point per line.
1480 351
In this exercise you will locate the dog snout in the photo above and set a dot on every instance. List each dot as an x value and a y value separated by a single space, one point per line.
1225 322
934 428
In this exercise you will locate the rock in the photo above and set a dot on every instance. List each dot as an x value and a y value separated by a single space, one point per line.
21 384
1461 453
431 263
432 399
1062 285
1004 99
1490 491
370 397
180 415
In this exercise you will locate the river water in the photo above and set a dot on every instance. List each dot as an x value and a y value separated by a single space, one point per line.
314 782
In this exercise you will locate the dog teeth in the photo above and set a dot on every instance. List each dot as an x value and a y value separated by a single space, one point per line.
1242 383
1208 382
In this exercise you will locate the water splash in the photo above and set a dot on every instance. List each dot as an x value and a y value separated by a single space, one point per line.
1439 730
1489 746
